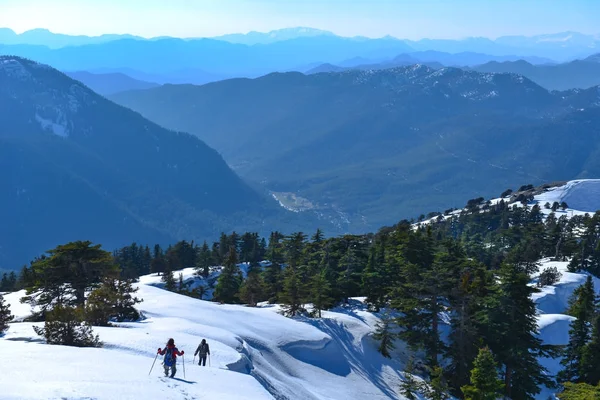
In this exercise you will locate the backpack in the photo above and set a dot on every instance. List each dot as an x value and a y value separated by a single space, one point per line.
204 348
169 359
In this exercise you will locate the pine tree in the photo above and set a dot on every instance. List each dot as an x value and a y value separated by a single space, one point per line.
409 387
385 336
320 293
590 359
582 307
252 290
293 294
438 387
272 275
68 273
100 304
180 284
467 305
5 315
169 279
485 383
230 280
124 309
203 261
374 285
513 335
64 326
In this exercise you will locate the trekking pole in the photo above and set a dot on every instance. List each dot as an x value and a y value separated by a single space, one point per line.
194 360
209 360
153 364
183 359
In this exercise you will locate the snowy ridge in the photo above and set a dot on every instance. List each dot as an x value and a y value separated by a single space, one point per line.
552 303
255 354
582 197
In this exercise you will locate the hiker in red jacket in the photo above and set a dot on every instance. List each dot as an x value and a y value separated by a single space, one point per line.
170 361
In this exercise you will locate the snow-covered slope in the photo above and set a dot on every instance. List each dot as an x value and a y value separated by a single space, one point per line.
256 354
580 195
552 303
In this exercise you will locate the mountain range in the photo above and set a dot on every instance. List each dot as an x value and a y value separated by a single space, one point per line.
74 165
581 74
559 46
110 83
380 145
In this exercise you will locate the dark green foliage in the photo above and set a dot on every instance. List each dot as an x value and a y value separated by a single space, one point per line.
320 293
484 382
230 280
590 357
252 290
582 307
438 387
294 293
65 326
5 315
549 276
409 387
203 260
513 335
65 275
169 279
385 336
114 299
579 391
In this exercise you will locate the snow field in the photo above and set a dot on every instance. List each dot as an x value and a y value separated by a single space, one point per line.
255 354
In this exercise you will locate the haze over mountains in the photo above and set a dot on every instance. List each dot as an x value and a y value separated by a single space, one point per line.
384 131
74 165
396 142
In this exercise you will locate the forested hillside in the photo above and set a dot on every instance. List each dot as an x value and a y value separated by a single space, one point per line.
459 286
367 148
74 165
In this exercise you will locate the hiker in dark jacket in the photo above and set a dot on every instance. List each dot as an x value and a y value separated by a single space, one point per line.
202 351
170 361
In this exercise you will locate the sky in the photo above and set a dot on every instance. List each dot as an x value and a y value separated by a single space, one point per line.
408 19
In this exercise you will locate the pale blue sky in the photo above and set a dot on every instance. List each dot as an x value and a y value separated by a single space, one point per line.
412 19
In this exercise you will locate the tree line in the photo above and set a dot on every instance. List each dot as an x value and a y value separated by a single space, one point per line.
465 272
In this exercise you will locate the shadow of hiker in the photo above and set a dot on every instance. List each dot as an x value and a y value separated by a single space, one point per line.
184 381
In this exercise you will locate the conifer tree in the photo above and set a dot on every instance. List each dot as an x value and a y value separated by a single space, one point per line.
252 289
513 335
409 386
67 273
320 293
385 336
582 307
438 387
293 294
467 304
485 383
5 315
230 280
169 279
203 260
590 359
64 325
272 275
374 282
347 280
180 284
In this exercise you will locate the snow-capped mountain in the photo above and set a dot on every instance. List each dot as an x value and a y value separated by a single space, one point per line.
252 38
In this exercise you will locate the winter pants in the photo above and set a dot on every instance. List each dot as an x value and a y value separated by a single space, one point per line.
202 360
173 369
